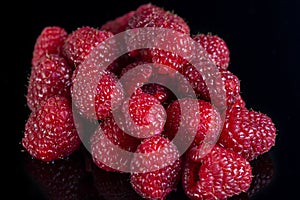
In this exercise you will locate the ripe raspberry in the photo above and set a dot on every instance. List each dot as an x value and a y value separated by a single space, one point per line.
194 77
248 133
107 141
172 62
262 171
117 25
134 76
175 49
51 76
239 102
81 42
117 136
152 16
49 41
149 15
215 47
145 116
230 85
50 132
173 52
120 63
160 92
219 175
95 101
193 117
158 164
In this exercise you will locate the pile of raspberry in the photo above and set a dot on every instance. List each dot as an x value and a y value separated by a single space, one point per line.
216 164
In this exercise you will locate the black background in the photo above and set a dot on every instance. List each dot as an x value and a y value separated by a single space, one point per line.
263 40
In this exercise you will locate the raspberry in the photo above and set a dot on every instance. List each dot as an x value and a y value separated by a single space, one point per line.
117 25
219 175
50 132
120 63
263 171
149 15
145 116
49 41
194 77
51 76
192 115
239 102
230 83
172 61
117 136
248 133
81 42
134 76
175 49
95 101
152 16
232 86
215 47
107 141
161 93
157 160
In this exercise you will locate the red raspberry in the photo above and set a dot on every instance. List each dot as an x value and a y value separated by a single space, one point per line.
120 63
232 86
262 171
81 42
193 116
106 142
194 77
248 133
172 62
152 16
175 50
158 164
145 116
160 92
117 136
134 76
95 101
216 48
50 132
149 15
51 76
49 41
239 102
219 175
117 25
172 53
230 83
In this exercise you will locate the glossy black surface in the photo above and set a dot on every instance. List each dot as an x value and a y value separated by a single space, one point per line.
263 40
